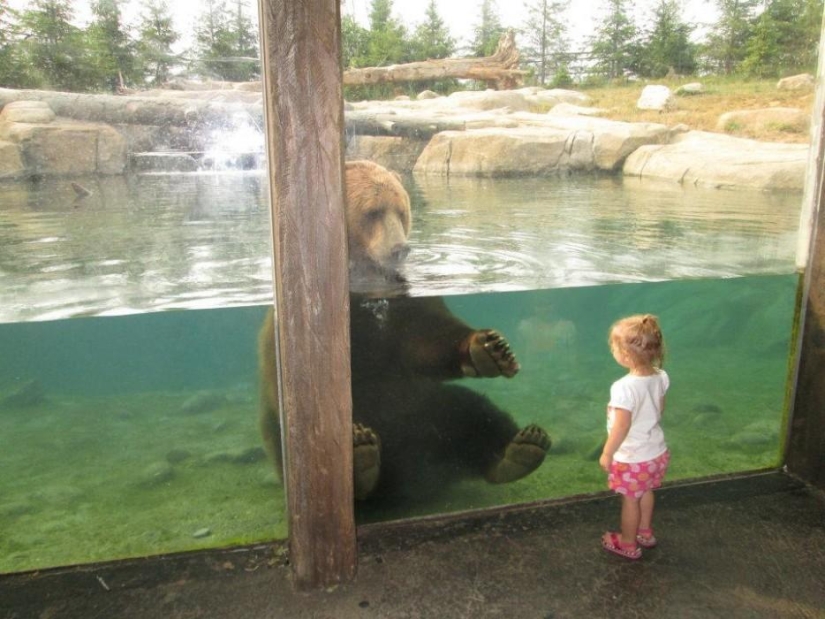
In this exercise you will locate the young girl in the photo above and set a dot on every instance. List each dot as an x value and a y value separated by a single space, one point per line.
635 456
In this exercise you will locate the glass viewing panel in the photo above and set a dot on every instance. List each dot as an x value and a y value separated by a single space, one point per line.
135 270
135 278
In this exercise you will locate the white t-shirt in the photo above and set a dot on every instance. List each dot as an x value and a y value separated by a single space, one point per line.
643 397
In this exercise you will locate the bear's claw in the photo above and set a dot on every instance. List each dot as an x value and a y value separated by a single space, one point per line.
366 460
490 355
523 455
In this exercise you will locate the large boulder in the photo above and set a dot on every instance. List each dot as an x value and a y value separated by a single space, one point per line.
67 147
27 112
657 98
803 81
11 165
788 119
713 160
513 100
543 145
391 152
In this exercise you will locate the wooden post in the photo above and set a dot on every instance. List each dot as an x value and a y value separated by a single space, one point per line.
303 102
805 452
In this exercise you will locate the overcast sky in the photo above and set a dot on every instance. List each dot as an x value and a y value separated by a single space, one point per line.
461 16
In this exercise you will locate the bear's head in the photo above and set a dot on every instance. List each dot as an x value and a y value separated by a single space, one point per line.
378 224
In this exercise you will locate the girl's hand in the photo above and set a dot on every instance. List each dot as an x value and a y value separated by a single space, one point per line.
605 461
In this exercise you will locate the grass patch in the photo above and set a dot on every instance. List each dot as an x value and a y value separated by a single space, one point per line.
702 112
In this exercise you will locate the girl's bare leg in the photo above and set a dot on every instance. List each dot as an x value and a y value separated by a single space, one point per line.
646 504
631 516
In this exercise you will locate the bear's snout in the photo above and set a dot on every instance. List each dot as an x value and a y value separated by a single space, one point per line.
399 253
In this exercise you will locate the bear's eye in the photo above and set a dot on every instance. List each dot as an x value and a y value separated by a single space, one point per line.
374 215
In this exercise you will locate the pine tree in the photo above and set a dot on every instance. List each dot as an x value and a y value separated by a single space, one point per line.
544 42
54 49
111 51
488 32
725 48
432 37
226 44
156 38
432 40
785 38
614 46
667 47
354 43
387 36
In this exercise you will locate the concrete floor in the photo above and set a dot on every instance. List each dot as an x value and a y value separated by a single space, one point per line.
748 547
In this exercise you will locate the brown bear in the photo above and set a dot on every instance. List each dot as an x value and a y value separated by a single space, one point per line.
410 425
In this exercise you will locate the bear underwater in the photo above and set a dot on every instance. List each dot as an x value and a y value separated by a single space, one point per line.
411 425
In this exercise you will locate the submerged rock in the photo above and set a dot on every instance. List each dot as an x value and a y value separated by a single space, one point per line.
156 474
203 402
174 456
245 455
30 393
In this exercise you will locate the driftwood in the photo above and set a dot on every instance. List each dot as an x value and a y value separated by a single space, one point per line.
368 123
499 71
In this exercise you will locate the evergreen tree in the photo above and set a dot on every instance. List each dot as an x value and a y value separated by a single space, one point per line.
432 40
225 42
11 75
488 32
725 48
544 42
156 37
667 47
111 51
432 37
614 46
785 38
53 49
245 44
354 43
387 36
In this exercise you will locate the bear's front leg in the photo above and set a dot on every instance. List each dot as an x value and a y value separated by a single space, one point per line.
366 460
522 456
487 354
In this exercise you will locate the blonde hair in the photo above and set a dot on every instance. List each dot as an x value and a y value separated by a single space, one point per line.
640 338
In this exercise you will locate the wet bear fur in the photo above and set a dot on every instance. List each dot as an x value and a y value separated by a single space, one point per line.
414 431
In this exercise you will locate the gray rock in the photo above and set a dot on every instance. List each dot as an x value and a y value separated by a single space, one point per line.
656 97
163 162
803 81
718 161
203 402
156 474
30 393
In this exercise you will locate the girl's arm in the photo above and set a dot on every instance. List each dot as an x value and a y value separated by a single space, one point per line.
618 432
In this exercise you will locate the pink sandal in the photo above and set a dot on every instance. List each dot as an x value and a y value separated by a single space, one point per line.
646 539
612 542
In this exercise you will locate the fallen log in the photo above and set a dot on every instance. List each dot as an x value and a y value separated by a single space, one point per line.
368 123
498 71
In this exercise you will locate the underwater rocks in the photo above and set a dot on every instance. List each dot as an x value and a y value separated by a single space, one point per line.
29 394
156 474
759 435
203 402
247 455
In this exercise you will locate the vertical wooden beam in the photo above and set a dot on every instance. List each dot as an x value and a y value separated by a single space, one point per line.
805 453
806 447
303 95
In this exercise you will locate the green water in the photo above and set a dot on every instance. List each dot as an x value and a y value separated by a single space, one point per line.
139 436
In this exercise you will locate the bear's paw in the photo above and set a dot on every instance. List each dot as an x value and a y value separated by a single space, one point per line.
490 355
523 455
366 460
